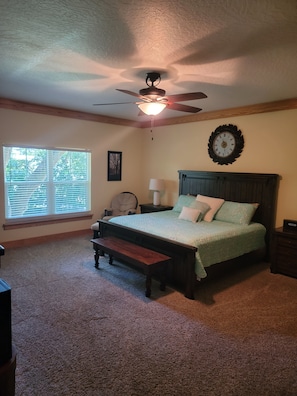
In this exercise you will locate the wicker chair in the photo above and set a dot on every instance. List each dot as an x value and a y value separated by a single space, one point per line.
122 204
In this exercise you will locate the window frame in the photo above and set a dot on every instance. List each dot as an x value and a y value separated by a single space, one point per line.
49 218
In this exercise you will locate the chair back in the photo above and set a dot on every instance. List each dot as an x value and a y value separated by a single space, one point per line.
123 202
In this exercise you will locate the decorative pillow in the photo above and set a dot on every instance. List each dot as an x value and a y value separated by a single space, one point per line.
214 203
189 214
202 206
236 212
183 200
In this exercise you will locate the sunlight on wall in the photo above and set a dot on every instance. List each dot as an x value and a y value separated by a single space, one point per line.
270 147
29 129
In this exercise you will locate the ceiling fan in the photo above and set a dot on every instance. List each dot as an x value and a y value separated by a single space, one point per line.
154 100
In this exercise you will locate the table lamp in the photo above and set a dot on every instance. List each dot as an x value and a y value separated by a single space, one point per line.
156 185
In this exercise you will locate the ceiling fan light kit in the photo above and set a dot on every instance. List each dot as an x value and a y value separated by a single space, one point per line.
152 108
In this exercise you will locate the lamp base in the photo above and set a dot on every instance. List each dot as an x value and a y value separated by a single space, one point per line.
156 200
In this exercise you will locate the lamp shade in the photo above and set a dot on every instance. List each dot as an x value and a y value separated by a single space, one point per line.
151 108
157 185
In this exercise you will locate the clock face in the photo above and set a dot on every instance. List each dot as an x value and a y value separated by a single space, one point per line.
225 144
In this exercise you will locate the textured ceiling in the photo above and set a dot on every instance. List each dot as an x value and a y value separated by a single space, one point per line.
73 53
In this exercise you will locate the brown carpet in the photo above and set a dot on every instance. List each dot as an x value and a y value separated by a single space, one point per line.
88 332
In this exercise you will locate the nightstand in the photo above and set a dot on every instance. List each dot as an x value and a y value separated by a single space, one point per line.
284 253
148 208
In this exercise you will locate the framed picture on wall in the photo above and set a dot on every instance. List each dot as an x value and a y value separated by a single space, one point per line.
114 166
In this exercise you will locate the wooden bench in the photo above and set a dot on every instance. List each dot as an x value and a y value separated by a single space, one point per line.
148 260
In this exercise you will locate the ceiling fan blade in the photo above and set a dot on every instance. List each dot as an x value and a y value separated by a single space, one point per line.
181 107
145 98
186 96
130 93
114 103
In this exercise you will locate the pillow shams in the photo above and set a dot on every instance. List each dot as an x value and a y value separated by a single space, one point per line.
236 212
189 214
214 203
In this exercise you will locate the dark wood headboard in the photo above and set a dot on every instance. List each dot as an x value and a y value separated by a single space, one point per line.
258 188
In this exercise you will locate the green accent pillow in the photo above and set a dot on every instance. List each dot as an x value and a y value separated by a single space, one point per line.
236 212
183 200
203 207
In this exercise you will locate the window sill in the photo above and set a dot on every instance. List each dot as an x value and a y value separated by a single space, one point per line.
40 222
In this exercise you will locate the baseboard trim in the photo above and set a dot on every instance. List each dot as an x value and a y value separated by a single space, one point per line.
45 238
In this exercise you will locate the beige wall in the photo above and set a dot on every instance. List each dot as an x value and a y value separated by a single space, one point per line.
270 147
40 130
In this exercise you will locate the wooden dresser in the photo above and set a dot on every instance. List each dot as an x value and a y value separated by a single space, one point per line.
284 253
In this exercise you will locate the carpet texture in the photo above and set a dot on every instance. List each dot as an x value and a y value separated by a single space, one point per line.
88 332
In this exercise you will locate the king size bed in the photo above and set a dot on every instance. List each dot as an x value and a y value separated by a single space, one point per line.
219 217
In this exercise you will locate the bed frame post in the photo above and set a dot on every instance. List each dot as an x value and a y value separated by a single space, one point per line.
190 282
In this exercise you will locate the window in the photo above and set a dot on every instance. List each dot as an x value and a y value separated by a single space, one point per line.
42 182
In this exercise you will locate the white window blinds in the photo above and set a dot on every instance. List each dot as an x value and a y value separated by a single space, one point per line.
42 182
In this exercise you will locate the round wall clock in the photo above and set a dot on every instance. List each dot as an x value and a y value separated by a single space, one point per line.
225 144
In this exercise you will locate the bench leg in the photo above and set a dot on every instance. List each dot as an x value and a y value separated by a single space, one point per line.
148 283
96 258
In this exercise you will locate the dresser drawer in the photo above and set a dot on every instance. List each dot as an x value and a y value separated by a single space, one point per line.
287 242
284 258
286 265
287 256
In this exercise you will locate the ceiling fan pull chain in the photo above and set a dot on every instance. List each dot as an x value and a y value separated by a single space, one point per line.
152 125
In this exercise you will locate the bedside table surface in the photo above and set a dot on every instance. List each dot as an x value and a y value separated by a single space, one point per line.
288 234
150 207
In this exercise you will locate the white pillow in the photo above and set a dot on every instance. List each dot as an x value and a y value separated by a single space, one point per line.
189 214
214 203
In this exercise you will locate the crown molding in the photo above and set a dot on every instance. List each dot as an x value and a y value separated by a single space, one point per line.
55 111
287 104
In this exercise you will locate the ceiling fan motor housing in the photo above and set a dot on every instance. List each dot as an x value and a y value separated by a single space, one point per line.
158 92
